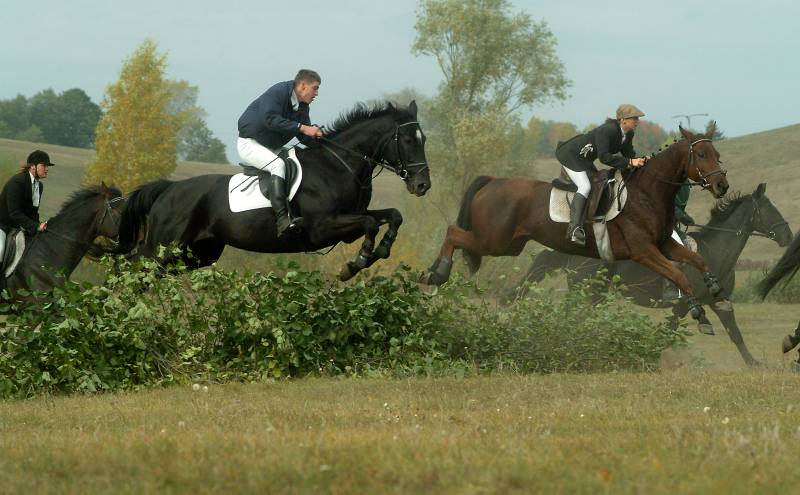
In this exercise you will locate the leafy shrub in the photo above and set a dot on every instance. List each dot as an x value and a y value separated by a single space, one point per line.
148 327
548 332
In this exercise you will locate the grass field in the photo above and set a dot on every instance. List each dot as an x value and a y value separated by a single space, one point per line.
701 425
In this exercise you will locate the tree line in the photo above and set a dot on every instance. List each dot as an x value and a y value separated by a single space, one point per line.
71 118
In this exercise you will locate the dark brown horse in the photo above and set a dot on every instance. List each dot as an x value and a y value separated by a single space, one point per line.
500 215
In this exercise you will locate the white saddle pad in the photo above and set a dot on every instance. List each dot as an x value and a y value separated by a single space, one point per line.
19 241
560 201
559 212
244 193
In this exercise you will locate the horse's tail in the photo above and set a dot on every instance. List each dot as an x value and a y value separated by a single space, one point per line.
465 219
785 269
134 214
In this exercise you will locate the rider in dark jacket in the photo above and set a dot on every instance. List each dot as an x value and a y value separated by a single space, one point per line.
19 200
577 158
267 124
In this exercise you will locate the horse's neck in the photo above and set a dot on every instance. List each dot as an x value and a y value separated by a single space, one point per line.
67 242
724 248
662 177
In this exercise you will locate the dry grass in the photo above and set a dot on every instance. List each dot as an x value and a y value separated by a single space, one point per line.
612 433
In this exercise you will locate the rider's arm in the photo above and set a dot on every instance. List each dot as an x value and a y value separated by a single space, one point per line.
604 135
270 106
14 198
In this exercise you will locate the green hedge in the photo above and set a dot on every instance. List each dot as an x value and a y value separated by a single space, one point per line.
143 327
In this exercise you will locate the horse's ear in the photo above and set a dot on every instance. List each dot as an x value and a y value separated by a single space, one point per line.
711 129
412 107
685 133
760 190
103 186
391 107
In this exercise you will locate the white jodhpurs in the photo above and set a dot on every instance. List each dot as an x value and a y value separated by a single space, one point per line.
253 154
677 238
581 179
2 245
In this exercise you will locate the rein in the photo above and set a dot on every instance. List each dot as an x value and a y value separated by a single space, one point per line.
106 212
703 178
401 168
739 232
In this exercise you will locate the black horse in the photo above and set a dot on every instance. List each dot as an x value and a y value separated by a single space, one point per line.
333 198
733 220
783 271
52 255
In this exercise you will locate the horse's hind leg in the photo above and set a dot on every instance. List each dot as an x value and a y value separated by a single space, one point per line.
456 238
791 340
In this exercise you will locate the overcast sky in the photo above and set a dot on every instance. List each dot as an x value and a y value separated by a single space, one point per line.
735 60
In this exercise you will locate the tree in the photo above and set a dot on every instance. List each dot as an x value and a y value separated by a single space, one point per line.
648 137
195 141
136 138
489 56
494 62
68 119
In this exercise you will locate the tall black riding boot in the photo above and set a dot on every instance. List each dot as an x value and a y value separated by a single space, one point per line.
577 214
277 195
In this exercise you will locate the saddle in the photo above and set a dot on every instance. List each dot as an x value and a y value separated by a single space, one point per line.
291 172
602 195
248 190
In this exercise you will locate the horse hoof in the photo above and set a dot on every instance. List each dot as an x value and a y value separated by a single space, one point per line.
789 343
755 363
705 328
346 273
723 305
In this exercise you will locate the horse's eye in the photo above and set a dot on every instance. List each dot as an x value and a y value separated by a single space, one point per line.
701 154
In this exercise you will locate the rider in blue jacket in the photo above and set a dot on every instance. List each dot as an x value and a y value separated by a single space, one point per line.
267 124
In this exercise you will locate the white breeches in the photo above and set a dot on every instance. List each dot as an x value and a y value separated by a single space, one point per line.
677 238
256 155
581 179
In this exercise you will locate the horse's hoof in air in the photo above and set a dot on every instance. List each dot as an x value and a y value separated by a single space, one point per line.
789 343
723 305
705 328
346 273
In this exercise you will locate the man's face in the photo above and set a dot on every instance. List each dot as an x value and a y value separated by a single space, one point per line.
41 170
307 91
630 123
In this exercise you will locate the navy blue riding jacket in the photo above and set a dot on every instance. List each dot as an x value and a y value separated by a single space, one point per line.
271 119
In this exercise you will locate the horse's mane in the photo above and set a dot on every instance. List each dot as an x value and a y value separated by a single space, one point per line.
726 205
77 201
362 112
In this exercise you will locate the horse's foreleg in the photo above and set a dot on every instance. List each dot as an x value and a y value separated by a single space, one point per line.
676 252
456 238
650 257
394 219
728 319
330 230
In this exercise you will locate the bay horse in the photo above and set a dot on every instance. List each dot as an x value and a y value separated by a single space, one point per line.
734 220
333 198
498 216
51 256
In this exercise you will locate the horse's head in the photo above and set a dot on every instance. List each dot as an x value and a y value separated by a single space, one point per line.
404 149
768 220
703 162
109 211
